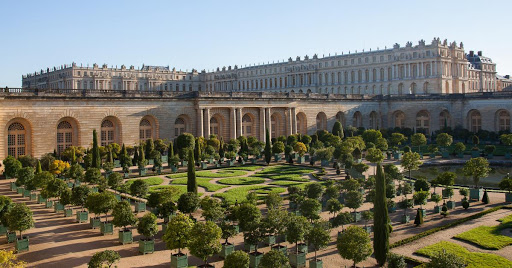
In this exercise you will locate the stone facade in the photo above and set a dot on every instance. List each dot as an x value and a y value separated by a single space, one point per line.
140 115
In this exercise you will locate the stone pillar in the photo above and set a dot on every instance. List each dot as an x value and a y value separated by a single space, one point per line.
232 123
262 124
288 121
207 123
294 121
239 122
200 123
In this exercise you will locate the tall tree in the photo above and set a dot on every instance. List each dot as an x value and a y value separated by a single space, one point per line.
150 147
96 158
268 149
381 219
191 173
337 129
197 151
39 169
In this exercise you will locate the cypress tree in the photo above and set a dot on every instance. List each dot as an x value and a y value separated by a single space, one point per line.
221 148
170 150
96 158
142 157
73 156
122 158
110 157
485 198
39 169
191 173
268 149
419 217
150 147
136 156
381 218
197 151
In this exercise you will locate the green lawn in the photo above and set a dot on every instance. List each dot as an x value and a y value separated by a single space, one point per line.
246 168
221 173
284 169
203 182
241 181
506 219
239 193
473 259
286 183
178 189
151 181
489 237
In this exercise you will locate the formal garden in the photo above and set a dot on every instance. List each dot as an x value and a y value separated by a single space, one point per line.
349 197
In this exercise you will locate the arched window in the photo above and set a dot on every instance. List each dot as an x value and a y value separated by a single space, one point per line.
429 73
399 118
321 121
16 140
425 88
107 132
145 130
214 126
301 123
475 121
400 89
374 120
179 126
503 120
423 122
340 116
413 88
445 119
357 120
64 136
247 125
276 125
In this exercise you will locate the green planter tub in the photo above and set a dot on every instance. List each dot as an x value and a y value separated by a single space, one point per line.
125 236
107 228
95 222
179 260
226 250
437 209
20 190
405 219
11 237
356 216
249 247
140 207
33 197
280 248
26 193
204 165
297 259
270 240
58 207
146 246
450 204
13 186
22 244
303 247
255 259
316 264
3 230
508 197
476 194
68 212
82 216
142 172
49 204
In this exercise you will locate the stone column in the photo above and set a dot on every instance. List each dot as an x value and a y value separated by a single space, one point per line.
262 124
239 122
288 121
232 123
207 123
294 121
200 123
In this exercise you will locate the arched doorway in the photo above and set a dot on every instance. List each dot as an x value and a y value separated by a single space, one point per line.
321 121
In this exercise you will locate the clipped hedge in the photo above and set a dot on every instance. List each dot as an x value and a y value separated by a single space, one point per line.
444 227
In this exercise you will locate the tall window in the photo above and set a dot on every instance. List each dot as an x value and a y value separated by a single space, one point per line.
107 132
64 136
16 144
357 120
145 130
475 120
399 119
179 127
321 121
444 119
214 126
503 120
247 125
374 120
423 122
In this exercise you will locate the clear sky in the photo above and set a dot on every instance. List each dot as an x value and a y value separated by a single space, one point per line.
209 34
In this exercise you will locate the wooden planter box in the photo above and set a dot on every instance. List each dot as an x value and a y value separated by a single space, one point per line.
126 175
184 163
255 259
33 196
254 161
316 264
450 204
475 154
301 160
303 247
13 186
297 259
270 240
26 193
49 204
368 229
146 246
508 197
249 247
22 244
142 172
397 156
3 230
82 216
204 165
140 207
446 193
437 209
11 237
356 216
151 162
107 228
20 190
68 212
94 189
179 261
95 222
117 163
226 250
58 207
282 249
125 236
476 194
391 209
324 163
445 155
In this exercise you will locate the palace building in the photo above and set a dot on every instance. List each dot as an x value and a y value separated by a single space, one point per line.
422 86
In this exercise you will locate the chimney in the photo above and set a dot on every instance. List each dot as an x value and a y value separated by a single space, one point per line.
480 53
471 53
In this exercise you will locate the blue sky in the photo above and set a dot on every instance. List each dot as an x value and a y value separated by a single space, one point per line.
210 34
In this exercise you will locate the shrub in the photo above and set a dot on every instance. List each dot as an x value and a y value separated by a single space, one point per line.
237 259
107 257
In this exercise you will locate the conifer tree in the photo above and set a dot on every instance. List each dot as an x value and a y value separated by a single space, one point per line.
96 158
191 173
39 169
381 218
337 129
197 151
